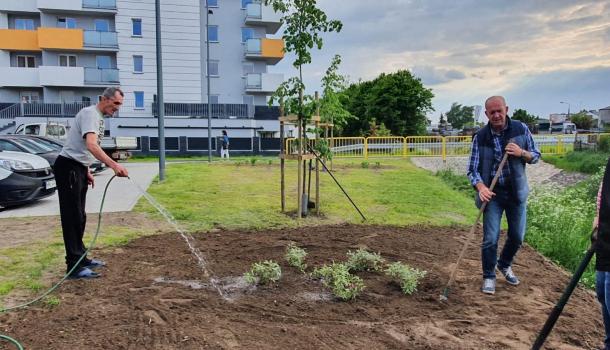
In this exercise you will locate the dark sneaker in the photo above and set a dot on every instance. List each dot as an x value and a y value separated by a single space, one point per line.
83 273
489 286
509 276
92 263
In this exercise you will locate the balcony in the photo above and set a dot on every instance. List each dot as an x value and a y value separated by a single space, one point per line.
100 4
19 77
19 6
269 50
101 76
101 40
263 83
42 38
259 15
62 76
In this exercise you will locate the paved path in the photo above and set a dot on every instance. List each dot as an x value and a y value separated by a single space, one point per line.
122 194
537 174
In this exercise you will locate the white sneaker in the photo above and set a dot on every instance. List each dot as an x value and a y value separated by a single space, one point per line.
489 286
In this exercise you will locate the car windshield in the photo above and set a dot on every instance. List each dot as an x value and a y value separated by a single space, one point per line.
31 146
52 145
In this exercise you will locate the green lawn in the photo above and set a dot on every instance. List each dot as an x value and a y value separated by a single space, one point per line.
238 195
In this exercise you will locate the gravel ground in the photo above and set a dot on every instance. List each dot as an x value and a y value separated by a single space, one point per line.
537 174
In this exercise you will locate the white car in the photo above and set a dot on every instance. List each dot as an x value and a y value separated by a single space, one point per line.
24 178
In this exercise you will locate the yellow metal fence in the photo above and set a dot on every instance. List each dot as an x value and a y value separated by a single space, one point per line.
434 146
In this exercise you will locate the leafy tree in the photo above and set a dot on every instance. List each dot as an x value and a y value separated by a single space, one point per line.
522 115
582 120
442 120
378 130
332 109
397 100
459 115
304 22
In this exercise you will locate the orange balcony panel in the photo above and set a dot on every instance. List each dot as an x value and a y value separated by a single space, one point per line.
60 38
272 48
17 39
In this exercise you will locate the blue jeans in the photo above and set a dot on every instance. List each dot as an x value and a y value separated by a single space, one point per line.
602 287
502 202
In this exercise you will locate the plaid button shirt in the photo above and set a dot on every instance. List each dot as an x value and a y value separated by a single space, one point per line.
473 164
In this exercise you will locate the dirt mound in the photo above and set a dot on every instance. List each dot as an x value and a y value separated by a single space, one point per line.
153 296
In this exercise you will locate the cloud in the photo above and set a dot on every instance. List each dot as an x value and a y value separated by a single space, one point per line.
434 76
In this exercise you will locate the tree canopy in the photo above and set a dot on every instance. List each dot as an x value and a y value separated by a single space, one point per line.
399 101
460 116
522 115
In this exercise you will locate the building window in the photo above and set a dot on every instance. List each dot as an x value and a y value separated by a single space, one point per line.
247 33
67 60
214 99
212 3
248 100
248 68
26 61
102 25
214 70
103 62
66 23
24 23
213 33
244 3
138 64
136 27
139 96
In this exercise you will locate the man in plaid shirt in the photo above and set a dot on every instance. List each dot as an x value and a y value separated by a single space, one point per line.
510 194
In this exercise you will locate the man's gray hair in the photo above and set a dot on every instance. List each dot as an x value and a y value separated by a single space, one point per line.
501 98
111 91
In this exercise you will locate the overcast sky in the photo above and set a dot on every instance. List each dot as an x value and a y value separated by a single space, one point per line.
536 53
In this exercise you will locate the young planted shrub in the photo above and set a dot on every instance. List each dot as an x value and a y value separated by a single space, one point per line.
296 257
341 282
362 260
407 276
263 272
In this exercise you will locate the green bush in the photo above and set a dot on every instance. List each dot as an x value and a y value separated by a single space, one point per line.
263 273
407 276
253 161
587 162
559 223
603 145
364 165
342 283
362 260
296 257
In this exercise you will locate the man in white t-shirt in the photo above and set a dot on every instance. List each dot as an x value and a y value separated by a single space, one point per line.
73 177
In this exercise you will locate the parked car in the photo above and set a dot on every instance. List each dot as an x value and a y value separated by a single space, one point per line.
24 178
42 146
55 130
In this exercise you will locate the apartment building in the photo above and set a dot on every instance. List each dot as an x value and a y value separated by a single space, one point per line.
57 55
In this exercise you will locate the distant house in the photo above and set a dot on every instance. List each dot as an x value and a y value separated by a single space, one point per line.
604 115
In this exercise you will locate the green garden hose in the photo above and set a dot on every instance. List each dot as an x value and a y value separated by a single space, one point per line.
97 232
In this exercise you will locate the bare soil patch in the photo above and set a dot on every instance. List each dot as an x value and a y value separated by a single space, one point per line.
153 295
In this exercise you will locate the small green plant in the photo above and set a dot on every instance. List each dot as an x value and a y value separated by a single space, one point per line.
604 143
342 283
253 161
407 276
296 257
362 260
364 165
52 301
270 162
263 272
377 165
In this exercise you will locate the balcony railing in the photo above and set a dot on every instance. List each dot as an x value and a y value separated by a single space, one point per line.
200 110
100 4
254 11
253 46
100 39
254 81
101 75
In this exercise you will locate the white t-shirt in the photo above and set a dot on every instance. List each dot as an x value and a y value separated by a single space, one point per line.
89 119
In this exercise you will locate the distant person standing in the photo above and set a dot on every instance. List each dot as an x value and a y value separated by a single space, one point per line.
73 177
602 251
224 150
501 134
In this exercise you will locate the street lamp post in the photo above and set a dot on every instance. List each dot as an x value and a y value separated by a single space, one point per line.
567 103
160 104
207 58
